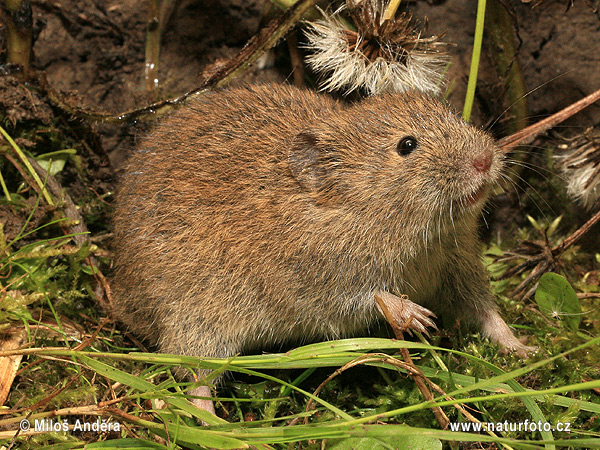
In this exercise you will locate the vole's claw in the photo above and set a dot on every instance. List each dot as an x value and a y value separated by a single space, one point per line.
406 313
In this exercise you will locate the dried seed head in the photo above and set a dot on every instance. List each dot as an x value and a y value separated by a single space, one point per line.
581 165
381 56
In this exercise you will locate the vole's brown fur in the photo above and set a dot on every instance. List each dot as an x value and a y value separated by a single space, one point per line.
261 214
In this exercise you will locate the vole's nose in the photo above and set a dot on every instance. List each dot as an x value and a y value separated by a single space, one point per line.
483 161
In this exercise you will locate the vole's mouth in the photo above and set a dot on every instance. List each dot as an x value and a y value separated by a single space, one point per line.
474 198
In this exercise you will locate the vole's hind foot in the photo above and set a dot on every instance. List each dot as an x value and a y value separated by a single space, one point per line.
405 313
524 351
203 403
519 347
494 327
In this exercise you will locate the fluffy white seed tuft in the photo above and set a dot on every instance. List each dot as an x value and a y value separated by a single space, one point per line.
581 165
383 56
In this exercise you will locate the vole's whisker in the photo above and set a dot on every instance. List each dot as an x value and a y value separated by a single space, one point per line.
532 199
531 91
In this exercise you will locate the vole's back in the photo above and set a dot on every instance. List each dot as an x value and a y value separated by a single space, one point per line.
207 212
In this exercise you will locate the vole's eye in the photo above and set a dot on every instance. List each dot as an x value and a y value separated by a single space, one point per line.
407 145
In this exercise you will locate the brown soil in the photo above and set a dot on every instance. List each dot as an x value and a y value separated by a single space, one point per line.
93 51
96 49
558 53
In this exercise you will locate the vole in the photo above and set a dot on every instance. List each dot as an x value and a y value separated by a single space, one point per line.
261 214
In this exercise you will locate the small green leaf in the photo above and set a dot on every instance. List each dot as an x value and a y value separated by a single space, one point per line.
53 166
553 226
54 162
496 269
557 299
396 443
126 444
90 270
533 222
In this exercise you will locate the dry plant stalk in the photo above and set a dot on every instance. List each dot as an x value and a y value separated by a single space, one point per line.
265 39
384 54
407 364
541 258
420 378
527 135
415 373
369 357
9 365
19 26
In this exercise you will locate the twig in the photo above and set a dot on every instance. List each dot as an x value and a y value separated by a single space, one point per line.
40 404
26 176
420 378
92 410
582 295
89 341
296 59
543 259
527 135
573 238
254 49
415 373
363 359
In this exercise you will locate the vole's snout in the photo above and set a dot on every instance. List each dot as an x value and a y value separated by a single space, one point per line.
483 161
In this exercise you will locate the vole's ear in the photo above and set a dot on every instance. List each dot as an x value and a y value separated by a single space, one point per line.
306 161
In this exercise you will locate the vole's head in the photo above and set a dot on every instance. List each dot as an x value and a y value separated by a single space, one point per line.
404 155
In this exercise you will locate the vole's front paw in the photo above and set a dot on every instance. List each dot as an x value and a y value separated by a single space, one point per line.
408 315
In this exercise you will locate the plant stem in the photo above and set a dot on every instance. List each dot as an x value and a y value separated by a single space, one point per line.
19 33
159 13
29 167
4 188
573 238
390 10
416 375
475 60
